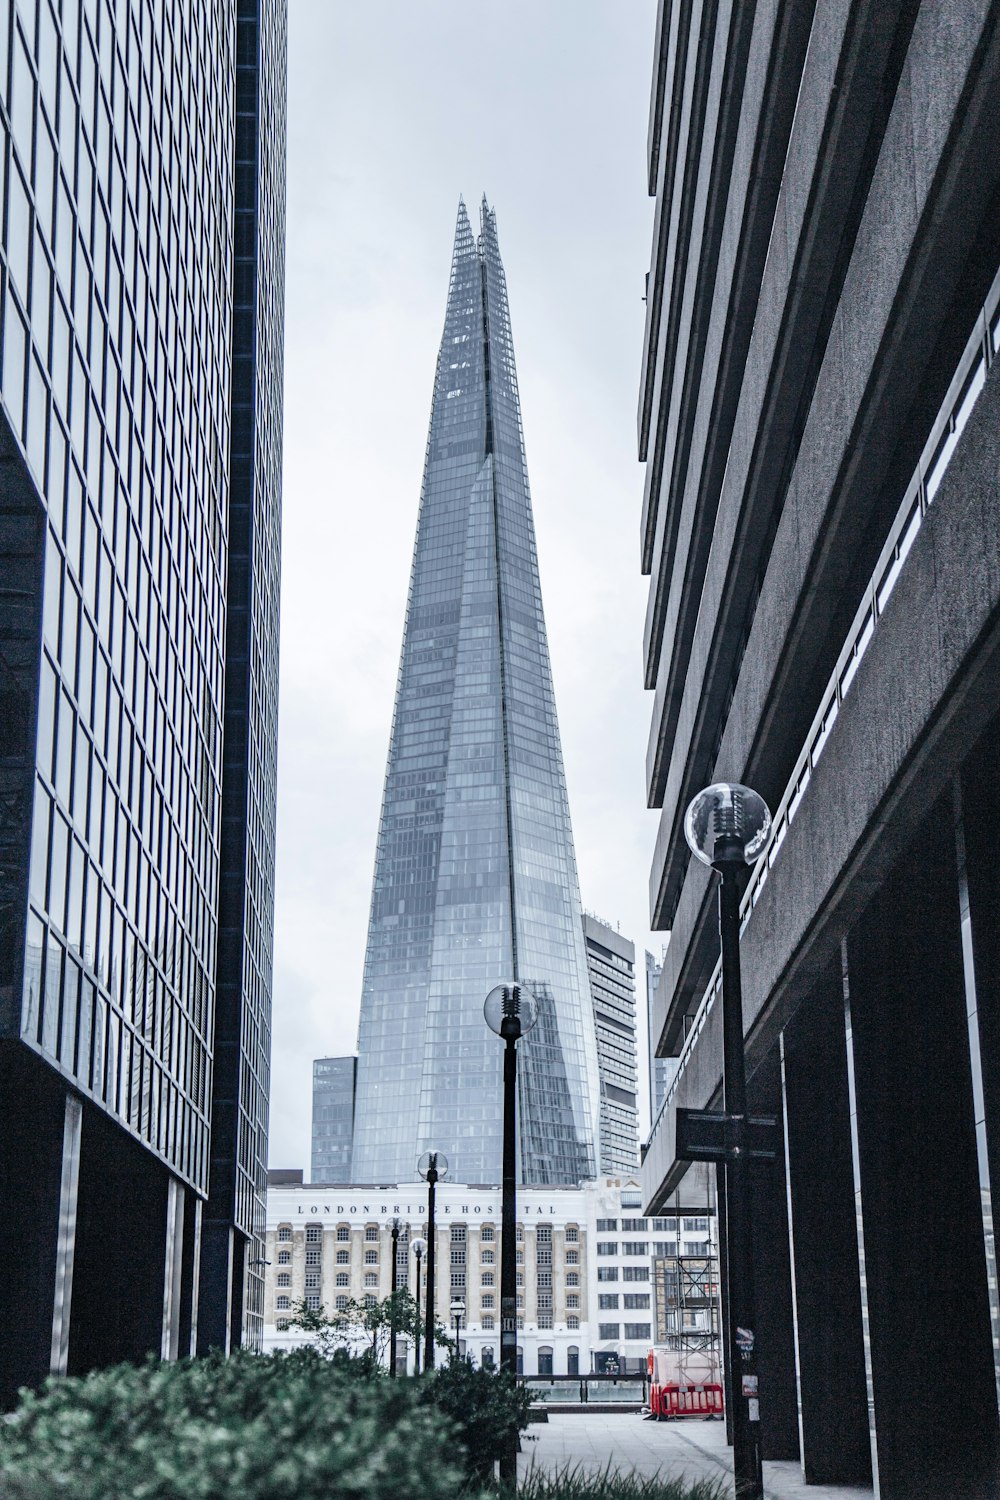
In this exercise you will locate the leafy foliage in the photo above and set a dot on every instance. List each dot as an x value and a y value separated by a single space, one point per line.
486 1406
362 1321
289 1427
576 1484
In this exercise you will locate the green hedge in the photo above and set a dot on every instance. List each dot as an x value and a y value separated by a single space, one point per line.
292 1426
485 1407
574 1484
245 1428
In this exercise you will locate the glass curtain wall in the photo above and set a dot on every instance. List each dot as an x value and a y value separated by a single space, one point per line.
475 877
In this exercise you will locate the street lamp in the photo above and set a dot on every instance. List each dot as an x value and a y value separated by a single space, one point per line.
418 1246
510 1011
395 1226
457 1309
728 827
431 1166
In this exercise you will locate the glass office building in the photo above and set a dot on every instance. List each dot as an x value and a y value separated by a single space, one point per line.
142 175
334 1081
475 875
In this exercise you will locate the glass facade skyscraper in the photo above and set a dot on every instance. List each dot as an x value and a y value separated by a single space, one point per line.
475 874
142 177
334 1081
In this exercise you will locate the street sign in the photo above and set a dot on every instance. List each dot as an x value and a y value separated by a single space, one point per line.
714 1135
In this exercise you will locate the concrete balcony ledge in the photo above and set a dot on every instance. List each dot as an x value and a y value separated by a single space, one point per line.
925 689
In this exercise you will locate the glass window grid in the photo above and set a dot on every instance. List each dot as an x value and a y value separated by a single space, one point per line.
110 479
441 919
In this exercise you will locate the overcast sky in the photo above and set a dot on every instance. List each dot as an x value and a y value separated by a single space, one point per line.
395 107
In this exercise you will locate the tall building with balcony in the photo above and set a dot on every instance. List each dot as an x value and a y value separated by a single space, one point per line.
140 438
820 422
475 871
611 964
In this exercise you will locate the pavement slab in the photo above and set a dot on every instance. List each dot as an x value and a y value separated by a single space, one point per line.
693 1449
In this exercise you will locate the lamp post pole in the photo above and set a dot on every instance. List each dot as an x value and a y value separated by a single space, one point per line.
510 1011
432 1178
432 1166
741 1318
508 1207
417 1246
392 1303
728 827
457 1309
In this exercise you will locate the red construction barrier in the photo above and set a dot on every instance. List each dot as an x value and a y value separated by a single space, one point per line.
669 1401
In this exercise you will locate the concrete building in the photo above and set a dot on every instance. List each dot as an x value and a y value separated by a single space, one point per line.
334 1081
584 1262
330 1243
661 1069
142 274
626 1248
611 966
820 422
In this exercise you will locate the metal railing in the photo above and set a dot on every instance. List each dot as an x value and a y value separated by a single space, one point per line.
963 392
566 1390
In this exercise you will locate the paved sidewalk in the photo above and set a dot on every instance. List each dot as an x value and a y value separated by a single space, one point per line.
693 1449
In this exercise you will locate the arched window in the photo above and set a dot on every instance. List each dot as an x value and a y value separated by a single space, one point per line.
487 1357
520 1360
545 1359
572 1360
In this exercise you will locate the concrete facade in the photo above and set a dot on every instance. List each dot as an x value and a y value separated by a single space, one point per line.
338 1245
334 1242
819 417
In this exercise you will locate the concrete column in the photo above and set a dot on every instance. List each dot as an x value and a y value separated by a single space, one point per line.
215 1287
188 1331
120 1263
37 1180
830 1356
773 1278
66 1242
173 1271
978 846
925 1276
720 1199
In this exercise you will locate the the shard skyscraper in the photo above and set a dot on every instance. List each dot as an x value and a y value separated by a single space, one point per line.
475 874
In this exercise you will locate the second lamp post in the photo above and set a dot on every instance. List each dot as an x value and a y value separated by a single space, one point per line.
510 1011
728 827
431 1166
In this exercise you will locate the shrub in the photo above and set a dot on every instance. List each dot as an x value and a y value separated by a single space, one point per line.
575 1484
486 1407
289 1427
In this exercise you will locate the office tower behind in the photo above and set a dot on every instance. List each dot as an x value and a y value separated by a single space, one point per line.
232 1283
140 412
475 873
334 1082
611 964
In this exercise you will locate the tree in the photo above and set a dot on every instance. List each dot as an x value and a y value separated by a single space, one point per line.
360 1322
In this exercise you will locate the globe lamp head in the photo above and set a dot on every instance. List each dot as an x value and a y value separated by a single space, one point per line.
510 1010
727 824
432 1161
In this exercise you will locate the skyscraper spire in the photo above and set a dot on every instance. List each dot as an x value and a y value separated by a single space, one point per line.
475 875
